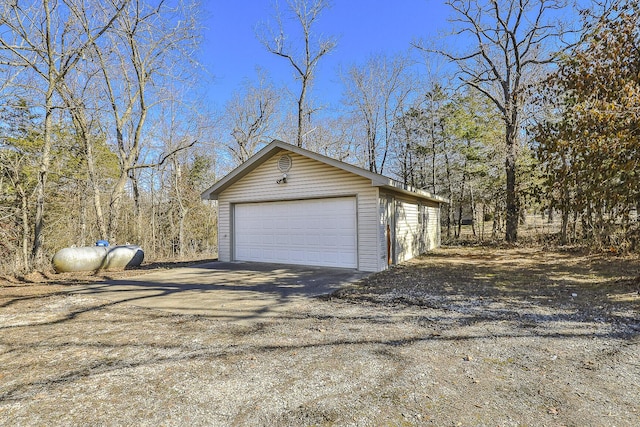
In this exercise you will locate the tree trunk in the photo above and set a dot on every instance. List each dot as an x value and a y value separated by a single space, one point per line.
115 205
564 226
82 126
433 159
461 202
405 163
371 138
24 206
43 172
83 223
181 234
136 207
95 189
303 92
449 191
473 212
512 209
496 220
484 213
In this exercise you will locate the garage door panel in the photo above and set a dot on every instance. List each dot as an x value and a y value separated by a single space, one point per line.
282 239
311 232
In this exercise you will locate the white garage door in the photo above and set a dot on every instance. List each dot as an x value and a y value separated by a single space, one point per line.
318 232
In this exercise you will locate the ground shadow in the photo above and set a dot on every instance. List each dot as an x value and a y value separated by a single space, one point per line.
444 293
234 291
527 286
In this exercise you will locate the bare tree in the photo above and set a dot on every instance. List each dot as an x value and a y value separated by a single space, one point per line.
510 43
78 91
338 137
17 193
306 13
377 91
250 115
19 143
181 173
146 49
43 36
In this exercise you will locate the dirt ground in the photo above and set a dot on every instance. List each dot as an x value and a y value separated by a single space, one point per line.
460 337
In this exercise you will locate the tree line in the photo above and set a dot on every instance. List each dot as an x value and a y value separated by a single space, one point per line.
91 106
103 134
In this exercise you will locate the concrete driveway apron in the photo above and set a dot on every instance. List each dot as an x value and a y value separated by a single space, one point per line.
238 291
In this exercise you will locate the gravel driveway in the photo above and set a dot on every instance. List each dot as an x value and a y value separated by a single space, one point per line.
468 337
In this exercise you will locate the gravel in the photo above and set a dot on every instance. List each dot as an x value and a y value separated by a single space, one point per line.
463 336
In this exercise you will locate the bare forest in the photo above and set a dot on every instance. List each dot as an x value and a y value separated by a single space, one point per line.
525 116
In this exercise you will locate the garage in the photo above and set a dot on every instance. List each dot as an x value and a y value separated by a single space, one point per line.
288 205
320 232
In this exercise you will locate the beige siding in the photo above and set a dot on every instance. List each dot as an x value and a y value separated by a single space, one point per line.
408 231
415 224
307 179
432 226
385 204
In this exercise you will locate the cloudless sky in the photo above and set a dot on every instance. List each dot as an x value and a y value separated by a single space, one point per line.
231 51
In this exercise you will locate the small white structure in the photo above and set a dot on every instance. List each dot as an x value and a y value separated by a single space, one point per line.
293 206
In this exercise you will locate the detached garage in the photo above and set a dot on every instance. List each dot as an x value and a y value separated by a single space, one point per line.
293 206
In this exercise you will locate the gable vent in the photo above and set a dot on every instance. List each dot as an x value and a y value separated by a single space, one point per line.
284 163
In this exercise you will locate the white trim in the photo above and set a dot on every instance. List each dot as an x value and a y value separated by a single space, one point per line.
256 160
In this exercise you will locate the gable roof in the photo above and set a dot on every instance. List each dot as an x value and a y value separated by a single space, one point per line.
277 146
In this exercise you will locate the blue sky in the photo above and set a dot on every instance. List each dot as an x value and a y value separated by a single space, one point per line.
231 51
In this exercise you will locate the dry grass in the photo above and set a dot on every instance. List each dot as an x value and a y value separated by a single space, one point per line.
464 336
